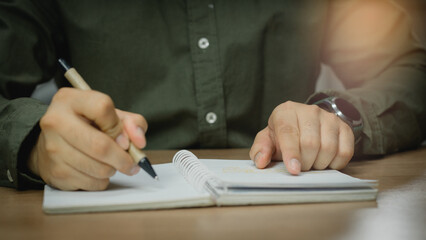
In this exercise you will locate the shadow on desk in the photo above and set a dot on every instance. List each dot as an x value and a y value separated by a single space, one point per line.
392 171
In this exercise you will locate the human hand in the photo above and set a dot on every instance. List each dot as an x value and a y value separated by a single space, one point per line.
76 147
304 137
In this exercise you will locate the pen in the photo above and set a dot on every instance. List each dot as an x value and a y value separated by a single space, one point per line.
78 82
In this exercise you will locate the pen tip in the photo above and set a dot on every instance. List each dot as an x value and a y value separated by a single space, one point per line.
64 64
156 178
146 165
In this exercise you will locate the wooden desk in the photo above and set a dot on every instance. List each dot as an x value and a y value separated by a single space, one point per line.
398 213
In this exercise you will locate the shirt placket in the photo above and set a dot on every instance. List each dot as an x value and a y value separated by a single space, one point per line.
208 80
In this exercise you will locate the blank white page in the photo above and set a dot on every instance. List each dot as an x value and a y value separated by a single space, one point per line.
245 174
128 193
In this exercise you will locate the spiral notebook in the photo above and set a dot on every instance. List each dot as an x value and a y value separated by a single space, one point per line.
192 182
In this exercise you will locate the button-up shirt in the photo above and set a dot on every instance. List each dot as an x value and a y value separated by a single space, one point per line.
207 74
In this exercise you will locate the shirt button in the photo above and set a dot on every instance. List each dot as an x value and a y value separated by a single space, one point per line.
211 117
211 5
9 176
203 43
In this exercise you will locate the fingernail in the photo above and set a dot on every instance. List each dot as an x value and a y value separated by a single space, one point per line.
258 157
295 165
123 141
135 170
139 132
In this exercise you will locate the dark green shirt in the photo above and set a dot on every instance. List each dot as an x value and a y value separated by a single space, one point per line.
207 74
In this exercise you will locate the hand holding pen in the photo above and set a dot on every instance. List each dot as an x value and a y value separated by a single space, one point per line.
83 140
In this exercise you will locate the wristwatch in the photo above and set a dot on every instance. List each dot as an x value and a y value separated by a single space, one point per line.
345 111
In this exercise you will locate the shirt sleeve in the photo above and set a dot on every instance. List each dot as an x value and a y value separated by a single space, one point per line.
27 58
373 51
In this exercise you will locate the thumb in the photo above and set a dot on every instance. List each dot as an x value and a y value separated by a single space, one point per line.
134 126
113 127
262 149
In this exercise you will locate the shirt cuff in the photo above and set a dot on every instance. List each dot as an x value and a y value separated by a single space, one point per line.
19 134
27 179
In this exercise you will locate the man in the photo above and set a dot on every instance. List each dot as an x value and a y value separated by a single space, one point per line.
204 75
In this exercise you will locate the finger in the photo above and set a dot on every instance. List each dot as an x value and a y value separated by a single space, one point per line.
262 149
346 148
310 135
95 106
58 173
88 140
284 124
329 140
83 162
134 126
67 178
100 147
123 140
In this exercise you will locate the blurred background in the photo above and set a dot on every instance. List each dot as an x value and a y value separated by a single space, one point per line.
327 79
417 11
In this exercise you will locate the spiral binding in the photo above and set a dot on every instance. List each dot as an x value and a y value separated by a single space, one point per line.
194 171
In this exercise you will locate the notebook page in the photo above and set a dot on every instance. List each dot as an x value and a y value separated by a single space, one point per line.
243 173
129 192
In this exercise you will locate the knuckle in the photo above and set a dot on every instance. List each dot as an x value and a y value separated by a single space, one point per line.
51 148
97 185
320 166
145 124
331 132
139 118
287 129
261 133
58 173
142 121
125 166
309 124
334 118
305 167
346 128
103 184
274 116
345 154
334 167
252 152
272 120
315 108
337 166
329 116
329 147
101 147
278 116
309 143
307 164
49 121
284 106
258 135
289 103
105 172
62 94
104 103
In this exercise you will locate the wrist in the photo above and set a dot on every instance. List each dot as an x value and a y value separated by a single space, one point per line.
345 111
28 157
32 162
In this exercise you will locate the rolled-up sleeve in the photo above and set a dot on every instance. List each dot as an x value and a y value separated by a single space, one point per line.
372 49
27 58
